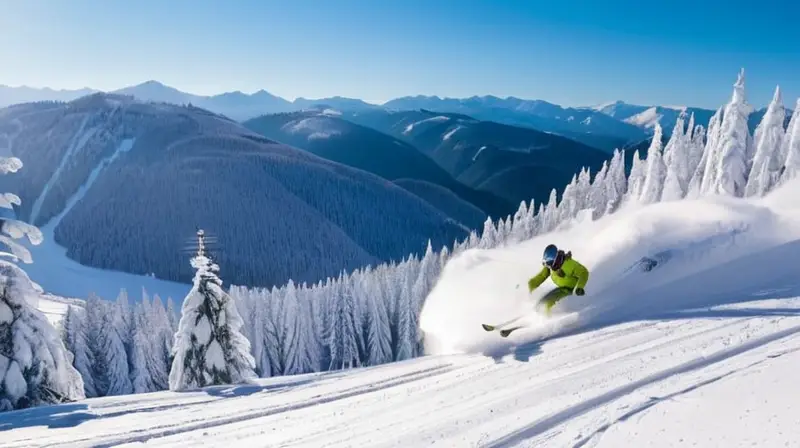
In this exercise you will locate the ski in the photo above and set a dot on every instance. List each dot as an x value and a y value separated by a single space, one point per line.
507 331
489 327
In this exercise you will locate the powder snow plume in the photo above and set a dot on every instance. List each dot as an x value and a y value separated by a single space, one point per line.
688 238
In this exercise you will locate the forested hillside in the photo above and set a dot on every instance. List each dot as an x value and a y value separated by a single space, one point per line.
327 135
515 163
125 183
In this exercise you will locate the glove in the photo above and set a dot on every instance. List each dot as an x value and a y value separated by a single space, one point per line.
579 291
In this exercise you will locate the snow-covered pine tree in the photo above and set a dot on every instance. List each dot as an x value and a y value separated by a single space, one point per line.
295 340
616 182
635 180
96 310
423 284
406 346
341 328
518 231
735 146
568 207
474 240
35 366
530 227
549 213
209 346
162 346
597 192
768 161
489 235
379 335
706 173
791 146
697 144
124 321
444 257
310 360
142 349
262 333
676 161
172 316
505 235
655 171
111 349
582 191
76 341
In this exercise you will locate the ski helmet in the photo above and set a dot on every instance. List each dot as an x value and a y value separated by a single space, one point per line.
550 254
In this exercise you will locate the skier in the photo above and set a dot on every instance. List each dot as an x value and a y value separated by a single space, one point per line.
568 275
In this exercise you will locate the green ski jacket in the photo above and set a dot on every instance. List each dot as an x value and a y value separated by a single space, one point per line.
571 275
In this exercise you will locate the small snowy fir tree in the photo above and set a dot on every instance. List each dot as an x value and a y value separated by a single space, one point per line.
209 346
35 366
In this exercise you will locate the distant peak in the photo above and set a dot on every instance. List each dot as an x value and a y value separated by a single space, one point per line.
152 82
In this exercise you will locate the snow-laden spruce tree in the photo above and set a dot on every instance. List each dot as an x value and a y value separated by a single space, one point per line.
35 366
696 136
676 160
76 339
597 193
209 346
791 146
635 181
705 173
616 183
769 159
378 333
734 147
655 171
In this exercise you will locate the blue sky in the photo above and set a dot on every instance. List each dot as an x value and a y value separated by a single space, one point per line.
567 52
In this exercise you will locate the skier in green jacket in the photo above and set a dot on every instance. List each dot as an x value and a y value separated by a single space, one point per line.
568 275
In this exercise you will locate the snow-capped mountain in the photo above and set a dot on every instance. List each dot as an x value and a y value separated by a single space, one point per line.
156 171
619 109
334 103
667 117
582 124
23 94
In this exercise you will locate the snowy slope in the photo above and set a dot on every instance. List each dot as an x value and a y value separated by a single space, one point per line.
702 350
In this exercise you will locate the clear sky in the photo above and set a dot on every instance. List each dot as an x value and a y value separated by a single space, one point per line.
568 52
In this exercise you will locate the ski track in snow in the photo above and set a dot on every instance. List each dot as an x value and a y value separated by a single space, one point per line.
123 147
571 392
78 141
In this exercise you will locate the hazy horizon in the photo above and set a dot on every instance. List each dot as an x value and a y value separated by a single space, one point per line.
577 54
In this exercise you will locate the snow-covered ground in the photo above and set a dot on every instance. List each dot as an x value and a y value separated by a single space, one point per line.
702 350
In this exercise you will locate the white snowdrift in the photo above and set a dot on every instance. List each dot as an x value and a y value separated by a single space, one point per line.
689 238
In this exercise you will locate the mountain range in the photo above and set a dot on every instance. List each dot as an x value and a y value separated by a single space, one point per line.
608 126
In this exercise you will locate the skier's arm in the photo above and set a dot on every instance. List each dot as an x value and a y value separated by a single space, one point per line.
583 275
534 282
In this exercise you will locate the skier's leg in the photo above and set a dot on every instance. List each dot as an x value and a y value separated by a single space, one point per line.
553 297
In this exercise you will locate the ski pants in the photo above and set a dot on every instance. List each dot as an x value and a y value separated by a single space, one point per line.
551 298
